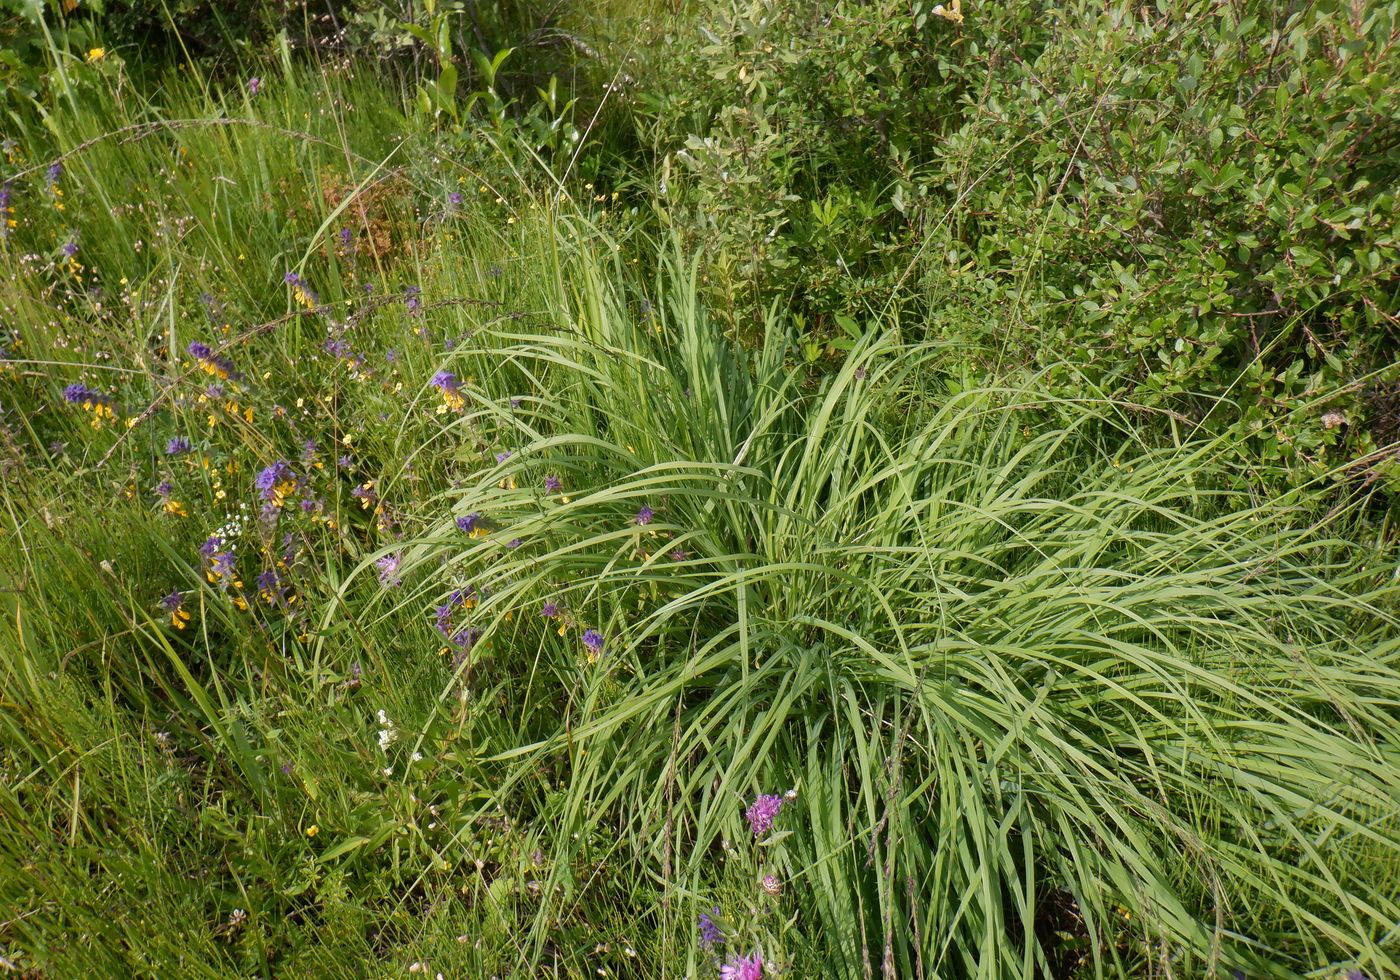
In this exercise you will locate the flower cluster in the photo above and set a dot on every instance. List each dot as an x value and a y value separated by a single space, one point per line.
303 294
211 363
98 404
174 604
460 637
763 812
471 525
452 397
276 483
710 933
389 571
743 968
7 211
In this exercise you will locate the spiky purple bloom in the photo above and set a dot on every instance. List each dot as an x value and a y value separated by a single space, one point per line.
273 481
200 351
552 484
644 516
211 544
444 381
468 522
70 249
172 602
254 85
54 172
514 543
388 570
593 640
177 446
549 610
710 934
761 814
222 564
79 392
308 452
164 488
743 968
6 210
502 457
411 298
346 237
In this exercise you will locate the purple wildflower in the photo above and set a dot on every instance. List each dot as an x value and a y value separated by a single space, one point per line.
211 544
469 523
254 85
514 543
79 393
70 249
411 298
594 641
200 351
221 565
51 175
164 488
174 605
710 934
761 814
388 570
276 482
644 516
7 210
552 484
308 452
177 446
346 236
455 199
743 968
549 610
502 457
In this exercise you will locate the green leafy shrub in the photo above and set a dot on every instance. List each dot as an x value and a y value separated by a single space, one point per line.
1195 204
1190 203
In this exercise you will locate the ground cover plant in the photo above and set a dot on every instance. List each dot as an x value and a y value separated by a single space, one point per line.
418 559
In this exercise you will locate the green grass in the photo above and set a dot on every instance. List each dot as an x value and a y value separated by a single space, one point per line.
1060 699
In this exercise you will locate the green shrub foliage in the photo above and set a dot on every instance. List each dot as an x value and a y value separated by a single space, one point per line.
1192 203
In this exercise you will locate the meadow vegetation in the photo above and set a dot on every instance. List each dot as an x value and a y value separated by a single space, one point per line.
715 489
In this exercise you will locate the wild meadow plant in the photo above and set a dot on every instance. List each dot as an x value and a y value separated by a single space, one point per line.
454 596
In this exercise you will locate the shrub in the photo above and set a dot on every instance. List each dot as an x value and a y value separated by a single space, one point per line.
1192 204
